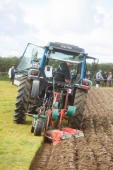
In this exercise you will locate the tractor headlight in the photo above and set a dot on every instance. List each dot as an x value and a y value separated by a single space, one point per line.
34 73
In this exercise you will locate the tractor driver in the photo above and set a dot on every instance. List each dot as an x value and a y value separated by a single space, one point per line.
63 72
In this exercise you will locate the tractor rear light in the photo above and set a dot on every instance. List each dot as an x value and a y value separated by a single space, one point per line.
85 83
34 73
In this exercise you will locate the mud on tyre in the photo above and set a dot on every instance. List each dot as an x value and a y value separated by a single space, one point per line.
79 102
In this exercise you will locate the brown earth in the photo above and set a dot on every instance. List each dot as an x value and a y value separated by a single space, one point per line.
94 151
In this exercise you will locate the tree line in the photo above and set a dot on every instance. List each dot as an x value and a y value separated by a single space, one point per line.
105 67
7 62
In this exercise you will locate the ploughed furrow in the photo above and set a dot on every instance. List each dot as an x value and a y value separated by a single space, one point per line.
94 151
63 156
104 112
41 157
85 156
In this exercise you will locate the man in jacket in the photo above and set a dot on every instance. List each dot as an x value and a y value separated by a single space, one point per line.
63 72
88 76
98 78
11 74
105 75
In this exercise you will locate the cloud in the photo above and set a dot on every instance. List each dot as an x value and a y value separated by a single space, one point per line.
85 23
73 17
12 20
15 33
61 17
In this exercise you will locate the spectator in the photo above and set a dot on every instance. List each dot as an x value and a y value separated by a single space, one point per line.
109 79
73 75
98 78
105 75
11 74
63 73
88 76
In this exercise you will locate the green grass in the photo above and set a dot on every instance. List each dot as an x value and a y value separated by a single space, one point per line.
17 144
4 78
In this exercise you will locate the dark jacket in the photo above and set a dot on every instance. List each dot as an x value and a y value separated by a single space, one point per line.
62 72
88 76
105 76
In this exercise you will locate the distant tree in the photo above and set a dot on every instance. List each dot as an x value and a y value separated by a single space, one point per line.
7 62
108 67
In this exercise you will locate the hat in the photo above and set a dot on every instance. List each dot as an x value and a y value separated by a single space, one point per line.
100 71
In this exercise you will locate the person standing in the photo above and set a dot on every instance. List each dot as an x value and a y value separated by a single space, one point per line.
11 74
109 79
98 78
73 75
105 75
88 76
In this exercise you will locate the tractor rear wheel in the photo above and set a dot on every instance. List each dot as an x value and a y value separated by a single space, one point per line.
22 100
38 127
79 101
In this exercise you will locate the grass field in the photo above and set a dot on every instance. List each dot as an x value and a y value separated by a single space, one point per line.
17 144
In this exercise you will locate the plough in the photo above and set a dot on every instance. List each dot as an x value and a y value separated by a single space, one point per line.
50 115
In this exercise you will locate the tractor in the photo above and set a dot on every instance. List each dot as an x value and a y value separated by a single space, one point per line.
48 101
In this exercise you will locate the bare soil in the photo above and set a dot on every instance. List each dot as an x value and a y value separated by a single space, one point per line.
94 151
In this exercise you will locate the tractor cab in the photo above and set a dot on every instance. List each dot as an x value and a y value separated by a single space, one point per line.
38 61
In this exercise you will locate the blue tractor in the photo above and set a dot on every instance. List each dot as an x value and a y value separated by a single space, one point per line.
40 95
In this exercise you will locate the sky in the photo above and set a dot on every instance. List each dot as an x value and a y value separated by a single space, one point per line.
84 23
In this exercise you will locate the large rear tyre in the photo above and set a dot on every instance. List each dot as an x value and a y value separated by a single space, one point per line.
22 100
79 101
38 127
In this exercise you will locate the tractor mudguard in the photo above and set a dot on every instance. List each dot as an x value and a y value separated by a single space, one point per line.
35 89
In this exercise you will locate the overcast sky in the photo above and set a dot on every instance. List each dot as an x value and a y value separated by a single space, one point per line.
84 23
